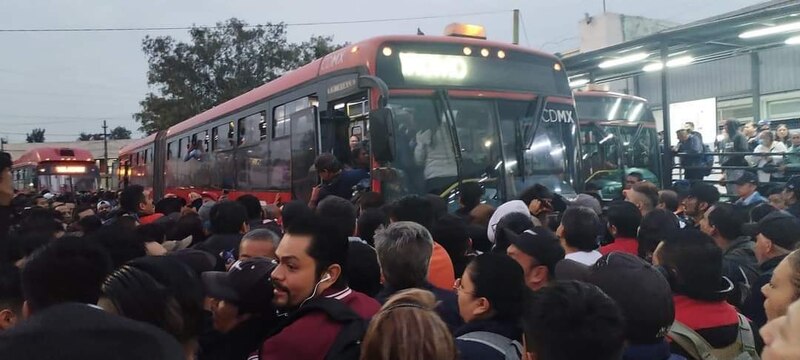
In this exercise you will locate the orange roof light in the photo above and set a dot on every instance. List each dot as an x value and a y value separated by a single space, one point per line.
465 30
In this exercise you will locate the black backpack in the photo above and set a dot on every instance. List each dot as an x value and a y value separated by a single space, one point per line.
347 345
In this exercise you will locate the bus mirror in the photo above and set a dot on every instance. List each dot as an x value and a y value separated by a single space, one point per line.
381 134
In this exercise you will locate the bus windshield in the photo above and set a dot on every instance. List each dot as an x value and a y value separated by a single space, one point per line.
609 108
485 131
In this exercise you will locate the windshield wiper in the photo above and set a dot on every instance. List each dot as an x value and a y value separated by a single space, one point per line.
535 108
444 99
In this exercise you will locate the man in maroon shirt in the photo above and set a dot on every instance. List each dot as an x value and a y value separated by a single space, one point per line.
312 256
623 223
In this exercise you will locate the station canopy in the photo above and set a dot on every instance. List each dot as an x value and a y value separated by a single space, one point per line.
759 27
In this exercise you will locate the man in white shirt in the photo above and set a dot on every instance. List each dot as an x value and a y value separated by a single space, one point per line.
579 229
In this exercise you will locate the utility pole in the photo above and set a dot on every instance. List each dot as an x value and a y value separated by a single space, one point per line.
604 6
516 27
105 152
3 142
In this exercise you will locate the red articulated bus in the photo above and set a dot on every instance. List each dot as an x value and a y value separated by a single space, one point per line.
434 111
60 170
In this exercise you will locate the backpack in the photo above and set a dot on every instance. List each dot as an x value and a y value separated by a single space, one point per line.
744 348
512 349
347 345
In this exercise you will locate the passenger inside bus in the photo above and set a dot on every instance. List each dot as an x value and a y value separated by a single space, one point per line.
194 151
434 151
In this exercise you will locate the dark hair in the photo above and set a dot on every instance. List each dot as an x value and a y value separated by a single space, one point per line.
537 191
369 200
669 198
413 208
649 190
731 128
159 290
327 162
655 226
227 217
189 224
90 224
637 175
151 233
5 161
625 216
438 205
581 227
10 288
131 197
341 212
252 205
327 245
728 220
40 221
471 193
768 134
68 270
369 222
501 280
450 231
122 245
25 244
168 206
514 222
573 320
760 211
293 210
693 263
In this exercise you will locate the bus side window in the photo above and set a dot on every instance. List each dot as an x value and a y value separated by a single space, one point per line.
262 125
170 149
181 145
242 138
214 139
280 122
204 138
224 136
144 158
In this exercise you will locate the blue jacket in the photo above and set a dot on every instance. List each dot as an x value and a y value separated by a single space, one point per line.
447 307
471 350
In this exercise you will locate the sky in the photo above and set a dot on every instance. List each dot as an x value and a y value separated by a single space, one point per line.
69 82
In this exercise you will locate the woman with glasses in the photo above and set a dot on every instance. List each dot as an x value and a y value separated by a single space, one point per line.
490 300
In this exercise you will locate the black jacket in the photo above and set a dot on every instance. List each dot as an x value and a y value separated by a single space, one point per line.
239 343
218 243
471 350
740 266
753 308
80 332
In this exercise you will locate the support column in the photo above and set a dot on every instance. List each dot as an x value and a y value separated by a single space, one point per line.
667 159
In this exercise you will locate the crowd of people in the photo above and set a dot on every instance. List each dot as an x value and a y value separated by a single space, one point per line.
658 274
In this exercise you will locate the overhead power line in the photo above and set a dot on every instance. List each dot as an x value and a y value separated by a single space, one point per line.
319 23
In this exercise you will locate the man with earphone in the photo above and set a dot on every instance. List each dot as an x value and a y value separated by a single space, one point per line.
323 316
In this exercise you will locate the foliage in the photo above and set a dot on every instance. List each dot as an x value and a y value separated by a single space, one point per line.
35 136
216 65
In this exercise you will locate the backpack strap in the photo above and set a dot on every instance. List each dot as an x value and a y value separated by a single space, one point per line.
497 342
746 337
692 342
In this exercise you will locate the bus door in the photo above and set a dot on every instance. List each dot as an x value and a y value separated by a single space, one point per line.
304 151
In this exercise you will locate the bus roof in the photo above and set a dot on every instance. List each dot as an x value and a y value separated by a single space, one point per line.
356 55
44 153
136 144
611 94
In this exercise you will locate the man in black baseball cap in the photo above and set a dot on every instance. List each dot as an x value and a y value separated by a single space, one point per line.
700 198
643 295
777 235
747 189
241 308
791 195
538 251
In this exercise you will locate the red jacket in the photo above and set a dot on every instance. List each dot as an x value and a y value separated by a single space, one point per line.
311 336
626 245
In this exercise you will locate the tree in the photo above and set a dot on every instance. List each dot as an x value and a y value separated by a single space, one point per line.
119 133
35 136
218 64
